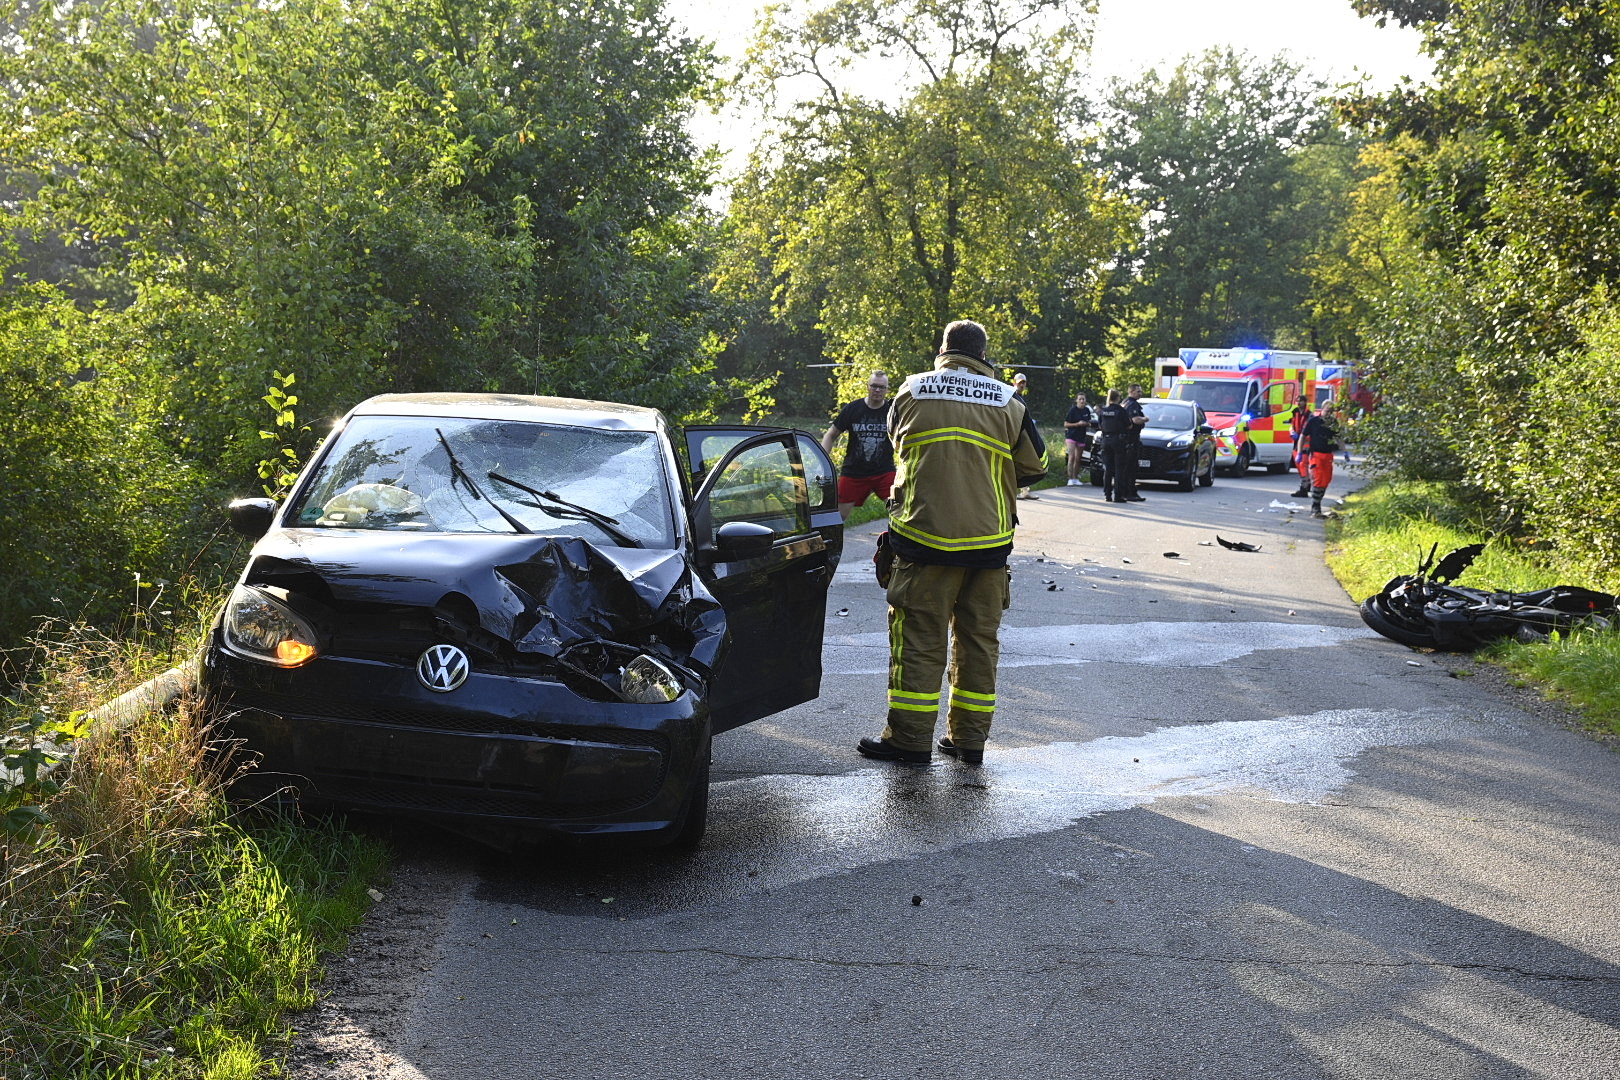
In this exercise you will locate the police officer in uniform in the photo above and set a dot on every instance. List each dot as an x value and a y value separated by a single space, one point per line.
1112 420
964 449
1136 420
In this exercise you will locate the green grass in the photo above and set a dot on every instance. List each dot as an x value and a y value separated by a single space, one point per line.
146 932
1386 529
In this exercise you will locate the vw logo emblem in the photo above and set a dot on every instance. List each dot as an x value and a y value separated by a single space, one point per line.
443 668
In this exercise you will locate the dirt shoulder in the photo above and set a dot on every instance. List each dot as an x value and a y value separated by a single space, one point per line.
365 1000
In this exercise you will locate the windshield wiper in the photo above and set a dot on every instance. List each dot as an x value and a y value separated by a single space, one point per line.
607 524
459 472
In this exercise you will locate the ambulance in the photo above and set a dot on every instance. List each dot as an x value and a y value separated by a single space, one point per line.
1249 396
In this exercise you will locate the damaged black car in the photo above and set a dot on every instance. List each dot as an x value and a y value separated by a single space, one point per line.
523 613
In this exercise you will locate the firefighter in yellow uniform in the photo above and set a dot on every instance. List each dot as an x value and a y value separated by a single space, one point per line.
963 447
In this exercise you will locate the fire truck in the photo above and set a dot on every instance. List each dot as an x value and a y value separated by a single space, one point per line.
1249 396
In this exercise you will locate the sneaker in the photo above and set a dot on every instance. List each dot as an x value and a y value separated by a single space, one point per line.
883 750
1072 482
961 753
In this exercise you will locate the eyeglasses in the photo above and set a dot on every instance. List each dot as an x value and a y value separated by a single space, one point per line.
877 386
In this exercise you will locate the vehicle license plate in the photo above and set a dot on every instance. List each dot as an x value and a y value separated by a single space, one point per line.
1144 463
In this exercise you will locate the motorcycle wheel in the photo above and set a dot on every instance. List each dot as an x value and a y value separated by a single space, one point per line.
1378 616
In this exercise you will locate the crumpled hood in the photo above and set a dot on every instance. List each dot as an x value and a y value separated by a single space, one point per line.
542 594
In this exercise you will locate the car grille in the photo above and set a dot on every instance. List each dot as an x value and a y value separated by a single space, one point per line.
437 797
469 723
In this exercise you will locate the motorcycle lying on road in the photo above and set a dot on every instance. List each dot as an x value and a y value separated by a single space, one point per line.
1424 610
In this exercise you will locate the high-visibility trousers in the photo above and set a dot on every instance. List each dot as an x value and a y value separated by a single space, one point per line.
934 610
1321 473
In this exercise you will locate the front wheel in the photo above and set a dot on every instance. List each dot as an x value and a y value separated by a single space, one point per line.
1207 477
1185 483
1376 613
1245 458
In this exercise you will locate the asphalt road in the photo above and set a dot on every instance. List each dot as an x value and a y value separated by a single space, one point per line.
1222 831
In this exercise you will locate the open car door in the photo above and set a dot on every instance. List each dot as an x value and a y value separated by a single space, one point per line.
763 557
706 444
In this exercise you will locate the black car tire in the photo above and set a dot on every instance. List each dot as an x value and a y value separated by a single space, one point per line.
1375 615
1245 458
1096 476
1185 483
687 831
1276 468
1207 477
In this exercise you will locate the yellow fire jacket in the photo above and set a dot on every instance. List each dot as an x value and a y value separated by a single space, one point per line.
961 451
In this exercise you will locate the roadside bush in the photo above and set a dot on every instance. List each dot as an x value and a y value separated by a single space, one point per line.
1560 459
94 498
144 931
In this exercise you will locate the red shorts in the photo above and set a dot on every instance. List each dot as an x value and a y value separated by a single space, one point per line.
855 489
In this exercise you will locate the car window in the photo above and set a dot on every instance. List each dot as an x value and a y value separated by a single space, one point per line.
821 479
762 485
711 446
396 472
1216 395
1164 415
1279 398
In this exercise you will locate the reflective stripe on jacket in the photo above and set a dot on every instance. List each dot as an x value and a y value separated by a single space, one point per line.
961 451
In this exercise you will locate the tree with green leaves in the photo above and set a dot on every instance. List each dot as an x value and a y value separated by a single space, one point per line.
924 162
1506 318
1232 163
389 195
402 194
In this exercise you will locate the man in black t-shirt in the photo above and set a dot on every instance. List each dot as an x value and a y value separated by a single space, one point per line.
868 467
1320 439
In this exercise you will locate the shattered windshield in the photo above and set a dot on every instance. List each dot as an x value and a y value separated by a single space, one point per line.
396 472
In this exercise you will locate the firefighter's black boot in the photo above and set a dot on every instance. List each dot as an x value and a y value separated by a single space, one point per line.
1316 501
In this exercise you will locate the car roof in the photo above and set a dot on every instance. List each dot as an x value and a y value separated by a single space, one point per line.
572 412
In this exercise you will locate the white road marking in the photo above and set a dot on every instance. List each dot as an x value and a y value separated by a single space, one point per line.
1154 643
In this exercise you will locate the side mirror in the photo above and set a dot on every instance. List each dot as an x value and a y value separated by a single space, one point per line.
742 540
251 517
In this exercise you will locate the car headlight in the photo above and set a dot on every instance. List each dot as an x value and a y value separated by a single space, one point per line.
260 627
1180 442
1228 432
645 681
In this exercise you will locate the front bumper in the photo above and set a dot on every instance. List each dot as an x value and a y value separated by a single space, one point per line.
1157 463
366 735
